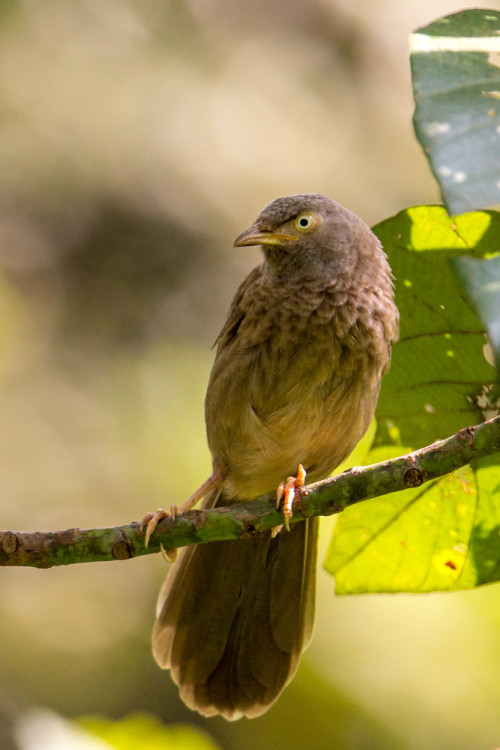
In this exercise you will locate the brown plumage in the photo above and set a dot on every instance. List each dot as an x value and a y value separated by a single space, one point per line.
295 380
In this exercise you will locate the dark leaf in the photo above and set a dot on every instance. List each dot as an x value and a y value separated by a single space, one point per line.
481 279
455 65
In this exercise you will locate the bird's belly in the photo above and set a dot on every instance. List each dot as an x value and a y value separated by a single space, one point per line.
302 413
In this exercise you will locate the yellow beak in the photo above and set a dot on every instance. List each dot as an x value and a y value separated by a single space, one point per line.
256 236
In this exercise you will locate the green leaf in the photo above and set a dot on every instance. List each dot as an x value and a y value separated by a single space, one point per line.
455 64
439 372
481 279
147 733
441 536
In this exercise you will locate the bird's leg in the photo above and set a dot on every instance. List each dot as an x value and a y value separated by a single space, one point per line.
151 520
286 491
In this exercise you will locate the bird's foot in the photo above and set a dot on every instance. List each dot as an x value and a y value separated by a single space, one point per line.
151 520
286 492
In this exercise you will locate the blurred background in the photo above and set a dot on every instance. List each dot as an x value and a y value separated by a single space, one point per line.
137 139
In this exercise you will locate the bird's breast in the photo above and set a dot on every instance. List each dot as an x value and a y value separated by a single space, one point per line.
298 383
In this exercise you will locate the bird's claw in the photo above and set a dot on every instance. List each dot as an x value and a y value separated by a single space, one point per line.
151 520
169 555
286 492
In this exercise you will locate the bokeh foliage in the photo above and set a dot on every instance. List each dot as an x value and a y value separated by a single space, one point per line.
145 732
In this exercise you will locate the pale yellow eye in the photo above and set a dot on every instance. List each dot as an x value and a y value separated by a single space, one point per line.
304 222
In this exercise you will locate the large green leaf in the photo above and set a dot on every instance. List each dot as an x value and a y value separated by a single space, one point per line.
442 535
439 371
438 538
455 65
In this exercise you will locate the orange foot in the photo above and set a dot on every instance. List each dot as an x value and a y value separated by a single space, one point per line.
151 521
286 491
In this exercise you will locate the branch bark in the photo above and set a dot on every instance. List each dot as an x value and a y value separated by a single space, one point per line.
46 549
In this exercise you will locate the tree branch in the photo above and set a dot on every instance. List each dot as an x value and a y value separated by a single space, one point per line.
45 549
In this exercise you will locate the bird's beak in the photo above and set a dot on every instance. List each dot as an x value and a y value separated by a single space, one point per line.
257 236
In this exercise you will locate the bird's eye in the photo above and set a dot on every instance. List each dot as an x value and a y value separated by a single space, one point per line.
304 221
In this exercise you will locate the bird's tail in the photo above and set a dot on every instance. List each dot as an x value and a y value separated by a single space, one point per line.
233 618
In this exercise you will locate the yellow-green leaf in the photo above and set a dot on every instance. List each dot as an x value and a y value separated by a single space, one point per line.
445 535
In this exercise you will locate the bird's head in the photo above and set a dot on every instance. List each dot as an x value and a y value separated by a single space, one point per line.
306 234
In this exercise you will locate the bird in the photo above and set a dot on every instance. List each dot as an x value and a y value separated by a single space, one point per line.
295 383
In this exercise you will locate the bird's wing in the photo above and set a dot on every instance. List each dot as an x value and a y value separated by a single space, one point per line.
236 311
